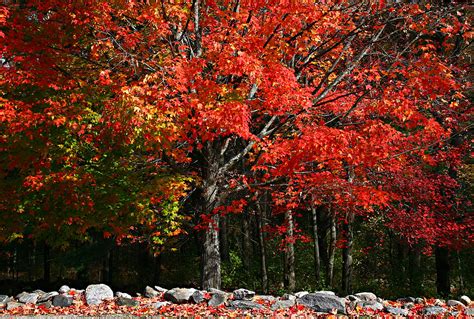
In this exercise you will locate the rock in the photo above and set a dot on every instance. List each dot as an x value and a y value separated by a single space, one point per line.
419 301
119 294
396 311
47 304
179 295
352 298
217 291
47 296
300 294
469 312
4 299
160 289
243 294
455 303
283 304
268 298
39 292
288 297
325 292
245 304
465 300
64 289
372 304
217 299
62 301
129 302
323 303
197 296
408 305
160 304
25 297
438 302
150 292
95 294
13 305
366 296
433 310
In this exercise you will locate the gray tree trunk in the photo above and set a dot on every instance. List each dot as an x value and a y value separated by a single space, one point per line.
332 250
347 263
261 220
317 259
290 277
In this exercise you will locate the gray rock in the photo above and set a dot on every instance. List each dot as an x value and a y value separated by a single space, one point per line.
119 294
47 296
4 299
179 295
419 301
408 305
150 292
372 304
197 296
366 296
13 305
325 292
283 304
300 294
465 300
39 292
243 294
433 310
469 312
288 297
129 302
160 304
352 298
268 298
217 299
396 311
47 304
62 301
217 291
438 302
245 304
455 303
64 289
95 294
323 303
25 297
160 289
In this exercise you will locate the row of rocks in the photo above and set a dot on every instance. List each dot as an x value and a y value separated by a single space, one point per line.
243 299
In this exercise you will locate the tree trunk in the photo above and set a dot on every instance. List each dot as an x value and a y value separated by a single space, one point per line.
442 271
246 244
211 259
224 239
261 217
347 256
317 259
290 278
46 264
414 271
332 250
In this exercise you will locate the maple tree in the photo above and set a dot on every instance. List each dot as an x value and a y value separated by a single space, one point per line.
116 114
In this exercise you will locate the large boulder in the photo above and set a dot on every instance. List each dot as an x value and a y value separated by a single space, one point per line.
465 300
323 303
372 305
161 289
264 298
13 305
95 294
4 299
243 294
64 289
455 303
300 294
47 296
150 292
283 304
159 304
325 292
119 294
180 295
30 298
366 296
288 297
217 299
245 304
62 301
197 296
